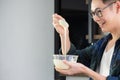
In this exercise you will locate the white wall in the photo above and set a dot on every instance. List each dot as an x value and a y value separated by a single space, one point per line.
26 39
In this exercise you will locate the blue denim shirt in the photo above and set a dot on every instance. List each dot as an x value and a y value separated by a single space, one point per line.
91 56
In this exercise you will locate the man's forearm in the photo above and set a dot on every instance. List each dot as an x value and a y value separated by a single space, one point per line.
65 43
94 75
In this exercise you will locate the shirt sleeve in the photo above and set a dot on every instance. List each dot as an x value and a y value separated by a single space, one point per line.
113 78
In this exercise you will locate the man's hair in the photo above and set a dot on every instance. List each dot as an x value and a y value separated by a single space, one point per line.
108 1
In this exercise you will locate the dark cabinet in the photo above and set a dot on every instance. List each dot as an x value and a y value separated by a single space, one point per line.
76 14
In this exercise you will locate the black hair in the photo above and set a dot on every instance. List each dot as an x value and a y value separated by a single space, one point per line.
105 1
108 1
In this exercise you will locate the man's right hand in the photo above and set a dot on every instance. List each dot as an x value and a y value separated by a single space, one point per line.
60 28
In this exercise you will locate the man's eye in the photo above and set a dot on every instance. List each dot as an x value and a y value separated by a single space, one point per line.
99 13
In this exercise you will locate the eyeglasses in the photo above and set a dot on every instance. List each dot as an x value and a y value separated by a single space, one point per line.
98 11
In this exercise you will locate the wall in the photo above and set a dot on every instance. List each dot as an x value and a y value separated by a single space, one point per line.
26 40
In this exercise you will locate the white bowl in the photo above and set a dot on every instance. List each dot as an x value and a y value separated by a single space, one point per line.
58 60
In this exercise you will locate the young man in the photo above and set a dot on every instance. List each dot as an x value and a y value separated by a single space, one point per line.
100 61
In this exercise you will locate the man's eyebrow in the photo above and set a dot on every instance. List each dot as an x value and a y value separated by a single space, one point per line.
95 9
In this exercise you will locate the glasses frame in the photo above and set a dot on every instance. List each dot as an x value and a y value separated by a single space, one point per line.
98 11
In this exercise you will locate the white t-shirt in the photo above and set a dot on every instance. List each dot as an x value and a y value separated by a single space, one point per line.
104 67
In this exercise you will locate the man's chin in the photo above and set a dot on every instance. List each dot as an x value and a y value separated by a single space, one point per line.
103 30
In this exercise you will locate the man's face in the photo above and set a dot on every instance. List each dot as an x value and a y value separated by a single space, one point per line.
103 14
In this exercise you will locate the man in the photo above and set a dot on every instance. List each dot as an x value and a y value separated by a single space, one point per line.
100 61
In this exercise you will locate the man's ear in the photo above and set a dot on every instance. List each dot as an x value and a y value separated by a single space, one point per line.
118 6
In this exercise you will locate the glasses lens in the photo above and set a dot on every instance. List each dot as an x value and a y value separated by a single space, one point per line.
98 13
